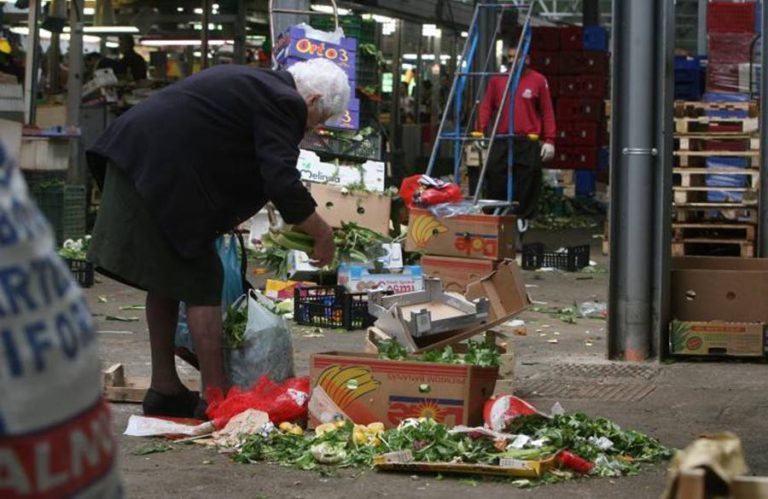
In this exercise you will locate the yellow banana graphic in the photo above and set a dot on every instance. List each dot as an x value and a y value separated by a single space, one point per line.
424 228
346 384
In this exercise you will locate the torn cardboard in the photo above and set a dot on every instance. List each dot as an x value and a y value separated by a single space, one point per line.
456 273
369 210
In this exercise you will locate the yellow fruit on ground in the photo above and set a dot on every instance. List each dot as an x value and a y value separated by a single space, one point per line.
325 428
285 426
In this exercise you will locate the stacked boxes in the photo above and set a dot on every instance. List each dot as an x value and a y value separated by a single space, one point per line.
576 62
731 31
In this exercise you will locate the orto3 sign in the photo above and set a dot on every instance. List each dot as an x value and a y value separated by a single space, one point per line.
307 46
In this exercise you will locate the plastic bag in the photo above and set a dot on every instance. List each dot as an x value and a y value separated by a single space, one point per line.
422 190
266 349
285 402
446 210
229 254
450 193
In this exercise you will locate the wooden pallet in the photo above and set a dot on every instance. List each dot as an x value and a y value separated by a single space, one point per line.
694 109
693 212
682 232
696 177
713 247
118 388
710 142
710 124
699 160
698 194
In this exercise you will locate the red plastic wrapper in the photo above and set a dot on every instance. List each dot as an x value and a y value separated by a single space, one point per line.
420 190
286 402
727 52
499 411
571 461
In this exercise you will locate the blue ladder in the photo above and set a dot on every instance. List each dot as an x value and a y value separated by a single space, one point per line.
461 135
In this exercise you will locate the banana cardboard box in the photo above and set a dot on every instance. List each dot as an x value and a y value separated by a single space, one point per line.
367 209
489 237
364 388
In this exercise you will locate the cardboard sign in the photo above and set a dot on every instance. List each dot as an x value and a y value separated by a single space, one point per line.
456 273
350 118
370 173
368 389
733 339
357 278
369 210
294 45
469 236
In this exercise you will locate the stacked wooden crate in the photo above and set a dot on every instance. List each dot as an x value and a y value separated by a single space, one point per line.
716 178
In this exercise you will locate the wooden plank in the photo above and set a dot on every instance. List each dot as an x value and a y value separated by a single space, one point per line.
733 143
698 108
686 248
732 154
700 160
711 124
749 487
715 206
690 231
691 484
114 375
697 194
690 214
696 177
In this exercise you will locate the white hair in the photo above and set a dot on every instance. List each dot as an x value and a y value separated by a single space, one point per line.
324 78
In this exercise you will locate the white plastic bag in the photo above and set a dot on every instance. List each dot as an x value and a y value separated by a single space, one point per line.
266 349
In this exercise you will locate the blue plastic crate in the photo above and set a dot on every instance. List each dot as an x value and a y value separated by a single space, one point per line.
724 197
687 63
603 159
726 180
726 113
688 75
585 182
595 38
688 90
723 97
726 162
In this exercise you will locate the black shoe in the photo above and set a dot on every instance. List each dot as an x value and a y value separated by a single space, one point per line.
181 405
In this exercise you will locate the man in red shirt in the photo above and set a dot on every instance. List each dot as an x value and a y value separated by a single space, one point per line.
534 142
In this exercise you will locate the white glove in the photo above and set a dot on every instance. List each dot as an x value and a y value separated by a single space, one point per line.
547 152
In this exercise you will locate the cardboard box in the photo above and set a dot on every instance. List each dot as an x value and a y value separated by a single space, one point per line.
477 236
716 338
350 118
456 273
367 389
370 210
357 278
371 173
296 44
719 289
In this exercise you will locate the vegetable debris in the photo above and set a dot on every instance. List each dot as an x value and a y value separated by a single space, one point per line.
478 354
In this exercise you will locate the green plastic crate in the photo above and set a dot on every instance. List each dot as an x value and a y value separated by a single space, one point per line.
64 206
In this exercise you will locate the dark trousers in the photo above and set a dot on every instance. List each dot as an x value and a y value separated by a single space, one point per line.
526 175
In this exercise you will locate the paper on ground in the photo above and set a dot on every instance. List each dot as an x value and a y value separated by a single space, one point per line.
143 426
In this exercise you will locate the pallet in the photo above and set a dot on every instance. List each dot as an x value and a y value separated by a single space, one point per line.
694 195
694 484
700 160
713 247
692 212
711 143
682 232
696 177
695 109
117 388
710 124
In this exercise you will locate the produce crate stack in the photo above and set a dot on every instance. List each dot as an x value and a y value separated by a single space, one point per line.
731 29
575 61
716 178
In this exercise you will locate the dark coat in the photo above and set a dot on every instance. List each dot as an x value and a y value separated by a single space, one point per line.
208 152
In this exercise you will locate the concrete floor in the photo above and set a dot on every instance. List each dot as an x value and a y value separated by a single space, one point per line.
671 401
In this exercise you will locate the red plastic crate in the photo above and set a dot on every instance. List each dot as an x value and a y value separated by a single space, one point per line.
584 63
728 17
578 109
547 63
572 38
584 86
578 133
554 85
575 158
545 38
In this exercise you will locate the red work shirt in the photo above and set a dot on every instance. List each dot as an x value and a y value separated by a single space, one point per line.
533 106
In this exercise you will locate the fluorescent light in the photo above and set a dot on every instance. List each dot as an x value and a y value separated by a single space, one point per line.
382 19
112 45
110 29
89 11
327 9
44 33
198 10
197 53
464 34
179 9
182 42
430 30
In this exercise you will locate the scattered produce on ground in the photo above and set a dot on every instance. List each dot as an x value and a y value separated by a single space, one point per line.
478 353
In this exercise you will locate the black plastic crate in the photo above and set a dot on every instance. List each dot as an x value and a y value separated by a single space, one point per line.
570 259
331 307
82 271
65 208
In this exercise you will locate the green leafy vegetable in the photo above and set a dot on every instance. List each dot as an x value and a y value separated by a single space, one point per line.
479 354
235 321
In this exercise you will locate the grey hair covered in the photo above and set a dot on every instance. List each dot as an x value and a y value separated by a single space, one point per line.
324 78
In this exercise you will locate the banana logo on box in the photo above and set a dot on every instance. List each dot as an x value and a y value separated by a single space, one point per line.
346 384
425 227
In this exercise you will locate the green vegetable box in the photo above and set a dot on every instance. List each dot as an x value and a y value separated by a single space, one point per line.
365 388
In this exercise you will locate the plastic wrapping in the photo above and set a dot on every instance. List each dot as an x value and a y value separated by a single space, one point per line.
727 51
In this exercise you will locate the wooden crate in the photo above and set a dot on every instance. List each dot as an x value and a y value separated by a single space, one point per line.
717 145
711 124
695 109
696 212
698 194
682 232
714 247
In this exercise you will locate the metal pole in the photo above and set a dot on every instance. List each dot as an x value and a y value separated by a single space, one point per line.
632 180
763 227
665 90
239 52
32 63
701 31
394 115
419 89
77 172
205 33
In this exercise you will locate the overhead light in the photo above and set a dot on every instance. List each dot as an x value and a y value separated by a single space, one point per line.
464 34
430 30
198 10
44 33
197 53
179 9
89 11
112 45
327 9
189 42
110 29
382 19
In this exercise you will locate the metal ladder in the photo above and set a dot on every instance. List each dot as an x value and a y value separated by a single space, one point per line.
460 135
